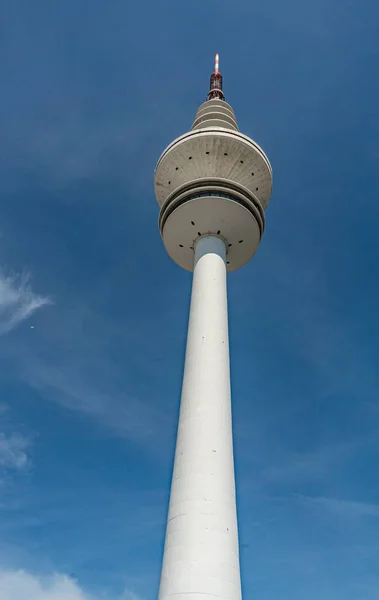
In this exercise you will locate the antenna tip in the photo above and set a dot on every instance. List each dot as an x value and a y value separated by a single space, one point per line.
217 61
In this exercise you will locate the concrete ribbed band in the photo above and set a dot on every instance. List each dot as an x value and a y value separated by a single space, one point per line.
215 113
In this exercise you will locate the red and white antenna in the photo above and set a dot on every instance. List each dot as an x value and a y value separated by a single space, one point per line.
216 82
217 62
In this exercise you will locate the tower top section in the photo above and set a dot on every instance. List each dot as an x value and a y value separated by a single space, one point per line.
215 88
213 180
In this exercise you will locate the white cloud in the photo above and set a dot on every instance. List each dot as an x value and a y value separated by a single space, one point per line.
17 301
345 508
317 465
21 585
13 451
74 387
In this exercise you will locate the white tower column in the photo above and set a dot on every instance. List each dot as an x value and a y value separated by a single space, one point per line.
201 547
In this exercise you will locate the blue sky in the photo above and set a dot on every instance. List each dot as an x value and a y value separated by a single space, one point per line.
91 93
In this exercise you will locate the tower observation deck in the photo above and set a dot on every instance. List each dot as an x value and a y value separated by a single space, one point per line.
212 185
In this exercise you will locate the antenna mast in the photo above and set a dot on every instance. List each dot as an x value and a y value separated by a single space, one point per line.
216 82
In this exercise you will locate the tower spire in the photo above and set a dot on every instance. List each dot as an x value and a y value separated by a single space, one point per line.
215 90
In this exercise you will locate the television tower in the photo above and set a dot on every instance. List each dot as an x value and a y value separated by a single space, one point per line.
212 185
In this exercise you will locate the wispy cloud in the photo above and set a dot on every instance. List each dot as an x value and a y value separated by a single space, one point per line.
345 508
87 382
120 411
297 466
14 451
19 585
68 363
17 300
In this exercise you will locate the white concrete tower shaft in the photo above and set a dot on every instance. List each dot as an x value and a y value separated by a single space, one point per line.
212 185
201 549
